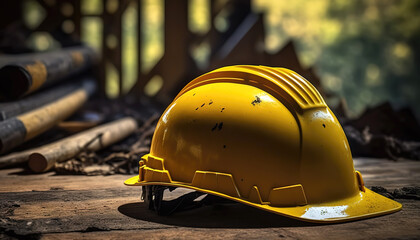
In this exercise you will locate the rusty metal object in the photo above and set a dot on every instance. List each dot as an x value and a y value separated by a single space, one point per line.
26 73
19 129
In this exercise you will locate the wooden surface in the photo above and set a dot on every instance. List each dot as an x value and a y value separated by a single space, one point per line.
49 206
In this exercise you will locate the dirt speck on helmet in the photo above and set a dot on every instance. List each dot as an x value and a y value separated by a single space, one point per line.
256 101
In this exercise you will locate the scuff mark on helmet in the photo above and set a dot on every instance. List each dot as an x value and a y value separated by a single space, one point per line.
217 126
256 101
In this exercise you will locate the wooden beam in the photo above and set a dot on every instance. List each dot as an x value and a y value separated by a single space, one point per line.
44 158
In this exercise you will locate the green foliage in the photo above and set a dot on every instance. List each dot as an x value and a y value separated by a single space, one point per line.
376 56
366 51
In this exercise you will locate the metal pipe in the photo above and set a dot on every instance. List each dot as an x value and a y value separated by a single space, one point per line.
15 108
16 130
26 73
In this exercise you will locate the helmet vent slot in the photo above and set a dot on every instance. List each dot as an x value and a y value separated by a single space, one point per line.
215 181
360 181
288 196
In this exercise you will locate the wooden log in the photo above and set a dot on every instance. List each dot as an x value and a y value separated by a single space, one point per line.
15 158
26 73
44 158
16 130
15 108
22 157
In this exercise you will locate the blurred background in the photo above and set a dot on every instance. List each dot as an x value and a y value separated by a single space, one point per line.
357 53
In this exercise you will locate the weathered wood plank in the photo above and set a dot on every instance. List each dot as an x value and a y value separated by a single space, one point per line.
18 180
388 173
93 207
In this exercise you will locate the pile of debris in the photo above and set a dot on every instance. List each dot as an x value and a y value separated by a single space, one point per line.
399 193
382 132
34 126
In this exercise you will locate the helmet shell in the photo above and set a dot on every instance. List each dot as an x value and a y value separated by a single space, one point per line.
259 135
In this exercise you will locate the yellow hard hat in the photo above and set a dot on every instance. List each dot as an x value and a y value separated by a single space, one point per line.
264 137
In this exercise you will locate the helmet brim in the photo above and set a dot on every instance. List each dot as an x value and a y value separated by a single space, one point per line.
364 205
